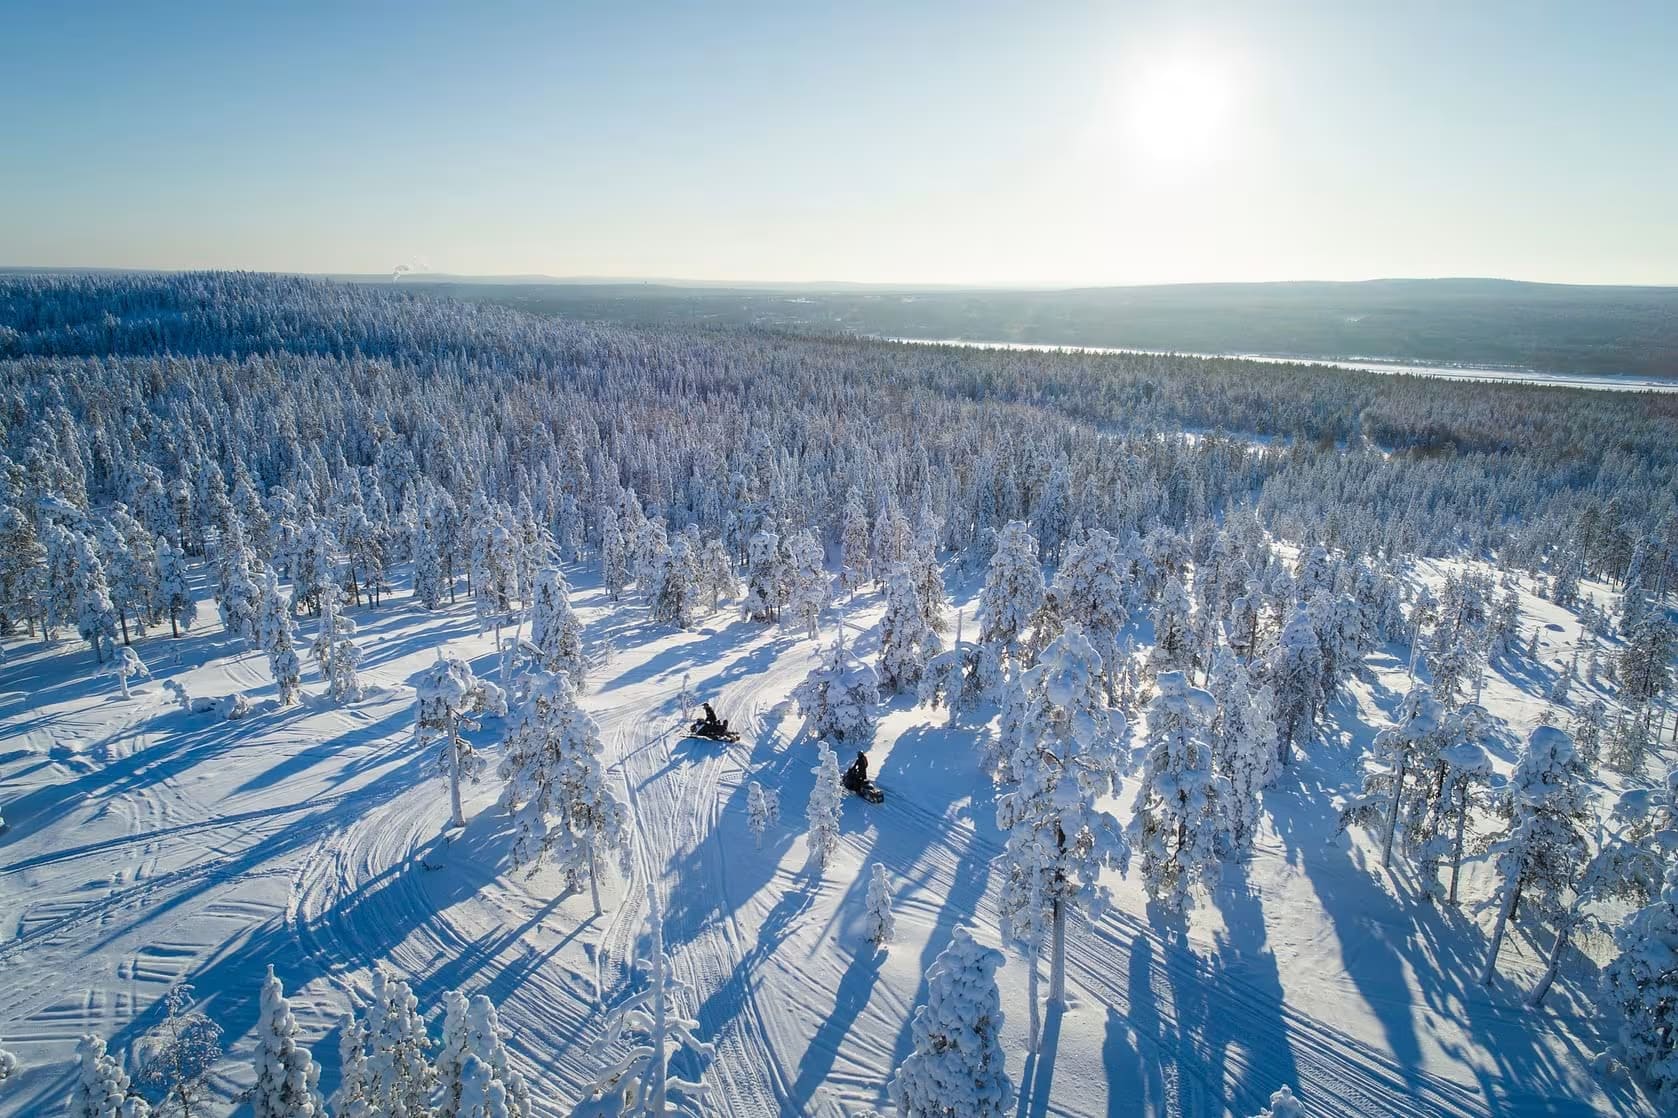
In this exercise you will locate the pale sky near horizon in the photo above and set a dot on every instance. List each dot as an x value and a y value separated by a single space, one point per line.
981 143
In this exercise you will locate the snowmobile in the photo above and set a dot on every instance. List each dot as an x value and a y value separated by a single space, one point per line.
857 783
712 728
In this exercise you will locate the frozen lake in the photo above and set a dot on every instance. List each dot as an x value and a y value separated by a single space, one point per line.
1605 382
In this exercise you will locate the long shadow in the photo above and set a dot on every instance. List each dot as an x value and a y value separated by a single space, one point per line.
1037 1083
1243 953
1131 1052
849 1001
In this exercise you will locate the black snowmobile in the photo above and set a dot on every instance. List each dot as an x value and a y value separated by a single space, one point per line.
712 728
857 783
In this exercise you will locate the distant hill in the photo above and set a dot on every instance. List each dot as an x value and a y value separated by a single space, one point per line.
1555 328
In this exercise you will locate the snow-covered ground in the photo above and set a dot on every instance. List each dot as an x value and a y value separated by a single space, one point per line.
146 845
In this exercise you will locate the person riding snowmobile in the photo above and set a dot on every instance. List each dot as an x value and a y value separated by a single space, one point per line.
856 777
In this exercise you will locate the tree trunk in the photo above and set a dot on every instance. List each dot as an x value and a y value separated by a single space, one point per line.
1456 848
1392 815
122 616
1490 971
1034 1027
458 818
1057 965
1564 935
174 631
594 885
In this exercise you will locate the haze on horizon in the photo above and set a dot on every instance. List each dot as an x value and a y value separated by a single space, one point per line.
992 144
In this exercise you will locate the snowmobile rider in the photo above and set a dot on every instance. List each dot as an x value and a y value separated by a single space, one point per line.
856 777
711 717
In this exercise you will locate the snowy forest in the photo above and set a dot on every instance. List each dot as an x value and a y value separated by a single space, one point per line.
1248 738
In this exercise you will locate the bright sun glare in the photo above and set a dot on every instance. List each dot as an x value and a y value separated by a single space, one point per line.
1176 109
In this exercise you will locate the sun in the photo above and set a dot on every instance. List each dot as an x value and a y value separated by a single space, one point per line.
1176 109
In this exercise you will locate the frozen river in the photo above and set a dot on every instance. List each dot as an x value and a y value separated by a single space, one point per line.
1605 382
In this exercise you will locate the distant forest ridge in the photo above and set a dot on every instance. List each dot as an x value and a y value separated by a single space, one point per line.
1551 328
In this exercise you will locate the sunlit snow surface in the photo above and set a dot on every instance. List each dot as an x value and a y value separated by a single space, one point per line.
147 845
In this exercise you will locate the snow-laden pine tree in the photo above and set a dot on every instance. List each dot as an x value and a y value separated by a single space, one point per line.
1587 729
717 567
643 1033
287 1080
428 566
1642 985
96 617
1294 672
1089 591
1173 649
957 1065
1243 747
614 554
335 650
907 638
822 813
1012 596
877 917
277 634
1395 761
556 788
101 1085
763 810
808 588
472 1034
352 1099
1183 806
8 1065
1066 761
238 587
854 560
554 628
840 698
1546 844
23 571
125 664
174 592
768 579
448 701
399 1074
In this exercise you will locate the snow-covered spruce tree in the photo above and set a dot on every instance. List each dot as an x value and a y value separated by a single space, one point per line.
1294 672
352 1098
335 650
428 567
1546 845
8 1065
1393 763
23 571
1587 728
1012 596
1183 805
174 592
472 1034
101 1084
1058 840
287 1080
1089 591
1451 671
768 578
96 617
1642 984
957 1066
277 634
1283 1104
677 587
1629 743
763 810
1243 747
554 628
1622 870
717 567
854 560
556 788
494 577
614 554
1468 771
1173 649
449 700
1645 665
907 639
643 1033
808 590
840 698
881 925
822 813
399 1074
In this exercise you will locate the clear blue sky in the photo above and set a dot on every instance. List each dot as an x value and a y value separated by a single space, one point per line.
894 142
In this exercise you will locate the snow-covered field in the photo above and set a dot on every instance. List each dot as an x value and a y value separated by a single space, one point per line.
146 845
